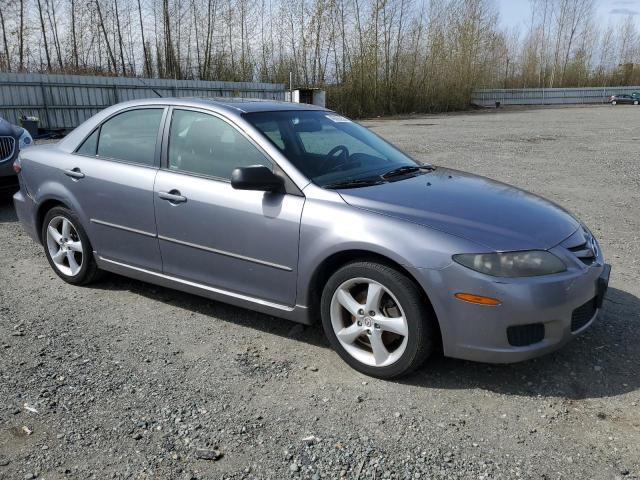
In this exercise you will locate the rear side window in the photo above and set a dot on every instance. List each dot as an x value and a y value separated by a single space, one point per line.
206 145
90 145
131 136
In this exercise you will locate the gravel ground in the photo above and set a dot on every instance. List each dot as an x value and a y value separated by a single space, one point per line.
128 380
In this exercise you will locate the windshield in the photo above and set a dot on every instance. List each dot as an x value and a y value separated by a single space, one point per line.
327 147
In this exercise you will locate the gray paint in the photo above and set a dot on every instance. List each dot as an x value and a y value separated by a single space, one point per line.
446 200
262 250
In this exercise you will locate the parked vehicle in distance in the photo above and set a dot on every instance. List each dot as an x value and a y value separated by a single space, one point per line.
12 140
298 212
624 98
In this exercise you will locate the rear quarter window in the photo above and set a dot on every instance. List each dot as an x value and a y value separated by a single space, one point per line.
90 145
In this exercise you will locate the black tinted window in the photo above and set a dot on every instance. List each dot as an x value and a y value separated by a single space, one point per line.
327 147
90 144
204 144
131 136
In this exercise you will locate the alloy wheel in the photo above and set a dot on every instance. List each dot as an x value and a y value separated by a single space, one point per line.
65 246
369 322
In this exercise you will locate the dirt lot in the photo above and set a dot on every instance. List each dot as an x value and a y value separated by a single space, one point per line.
128 380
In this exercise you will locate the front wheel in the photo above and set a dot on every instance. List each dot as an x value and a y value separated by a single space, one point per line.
635 102
613 102
67 247
376 319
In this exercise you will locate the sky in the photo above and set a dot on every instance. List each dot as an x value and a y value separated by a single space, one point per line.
518 12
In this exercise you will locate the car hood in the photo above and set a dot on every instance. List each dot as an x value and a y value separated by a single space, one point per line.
7 129
494 214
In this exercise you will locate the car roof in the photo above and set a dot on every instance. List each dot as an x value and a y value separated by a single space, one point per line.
227 106
235 105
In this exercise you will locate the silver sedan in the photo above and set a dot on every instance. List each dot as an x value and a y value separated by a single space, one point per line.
300 213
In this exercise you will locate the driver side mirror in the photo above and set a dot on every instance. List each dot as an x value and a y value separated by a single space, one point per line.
256 177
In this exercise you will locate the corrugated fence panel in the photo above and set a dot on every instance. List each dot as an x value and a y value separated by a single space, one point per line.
547 96
65 101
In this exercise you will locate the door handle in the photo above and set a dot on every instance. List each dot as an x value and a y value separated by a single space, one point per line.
74 173
173 196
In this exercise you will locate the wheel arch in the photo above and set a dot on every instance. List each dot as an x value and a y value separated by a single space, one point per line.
42 210
336 260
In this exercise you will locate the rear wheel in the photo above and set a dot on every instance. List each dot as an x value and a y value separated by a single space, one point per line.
376 319
635 102
613 102
67 247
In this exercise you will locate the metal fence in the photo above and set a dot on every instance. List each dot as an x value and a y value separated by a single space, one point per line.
547 96
65 101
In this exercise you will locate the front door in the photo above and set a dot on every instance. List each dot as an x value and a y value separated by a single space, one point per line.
240 241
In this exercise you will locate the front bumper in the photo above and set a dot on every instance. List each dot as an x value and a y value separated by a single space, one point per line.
8 184
6 165
560 307
6 168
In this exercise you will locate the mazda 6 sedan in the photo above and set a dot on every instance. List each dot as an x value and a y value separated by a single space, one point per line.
298 212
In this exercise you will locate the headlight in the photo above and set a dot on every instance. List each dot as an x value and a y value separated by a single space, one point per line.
25 140
512 264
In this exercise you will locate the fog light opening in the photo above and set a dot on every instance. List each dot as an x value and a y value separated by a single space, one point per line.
477 299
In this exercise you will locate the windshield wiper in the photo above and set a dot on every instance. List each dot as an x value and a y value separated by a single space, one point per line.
355 183
406 170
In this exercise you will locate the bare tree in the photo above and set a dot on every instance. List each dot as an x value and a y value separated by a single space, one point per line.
74 38
44 35
120 42
7 56
53 25
373 56
145 48
21 38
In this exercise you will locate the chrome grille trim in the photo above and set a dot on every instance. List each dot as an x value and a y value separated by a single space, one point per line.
7 148
583 246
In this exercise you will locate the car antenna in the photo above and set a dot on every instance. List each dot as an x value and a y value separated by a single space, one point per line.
149 87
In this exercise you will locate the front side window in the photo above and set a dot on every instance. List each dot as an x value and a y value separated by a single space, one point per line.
206 145
131 136
327 147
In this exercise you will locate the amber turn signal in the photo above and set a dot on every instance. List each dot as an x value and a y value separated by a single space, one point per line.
479 299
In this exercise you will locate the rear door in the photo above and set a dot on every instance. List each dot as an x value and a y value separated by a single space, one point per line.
112 175
240 241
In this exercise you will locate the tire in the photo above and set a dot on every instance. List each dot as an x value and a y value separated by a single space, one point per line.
398 308
635 102
614 102
74 261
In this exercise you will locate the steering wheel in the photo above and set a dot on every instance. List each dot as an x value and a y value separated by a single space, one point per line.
338 149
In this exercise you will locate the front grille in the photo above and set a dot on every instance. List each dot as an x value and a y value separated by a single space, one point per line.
7 146
583 314
583 246
523 335
584 252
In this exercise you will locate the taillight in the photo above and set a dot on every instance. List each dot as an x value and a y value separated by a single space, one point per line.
17 166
